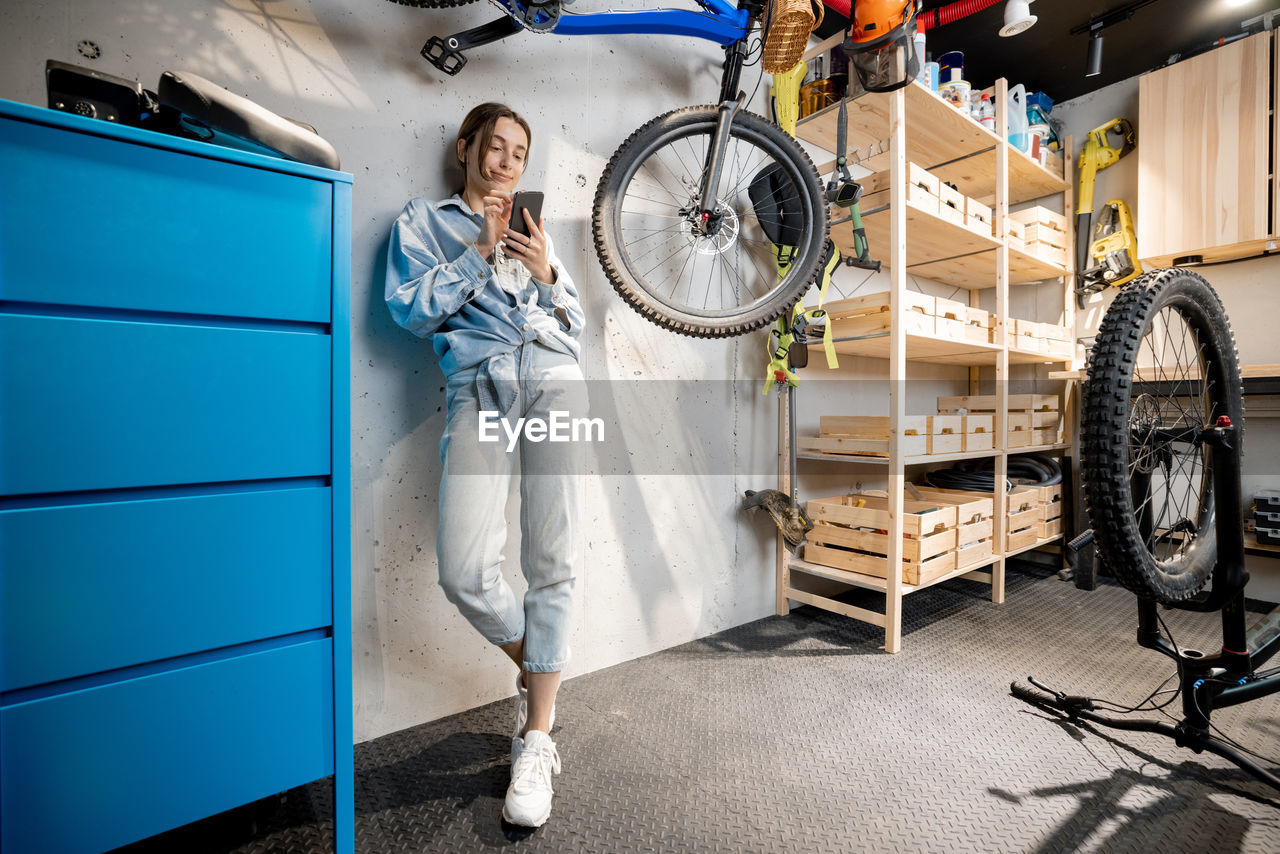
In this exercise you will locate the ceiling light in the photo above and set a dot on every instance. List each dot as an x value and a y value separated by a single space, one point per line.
1093 64
1017 17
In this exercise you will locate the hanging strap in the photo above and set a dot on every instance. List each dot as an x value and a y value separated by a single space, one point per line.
790 328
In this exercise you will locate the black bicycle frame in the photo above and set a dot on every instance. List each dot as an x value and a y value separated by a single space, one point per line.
1205 682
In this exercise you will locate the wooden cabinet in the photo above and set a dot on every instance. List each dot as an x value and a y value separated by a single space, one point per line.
914 135
174 481
1204 148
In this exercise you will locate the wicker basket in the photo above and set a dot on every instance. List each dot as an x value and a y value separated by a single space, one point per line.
787 25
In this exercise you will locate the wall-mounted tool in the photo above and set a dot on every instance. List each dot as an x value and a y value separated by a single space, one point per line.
1097 154
1114 251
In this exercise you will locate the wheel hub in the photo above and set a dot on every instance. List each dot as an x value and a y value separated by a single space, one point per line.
710 232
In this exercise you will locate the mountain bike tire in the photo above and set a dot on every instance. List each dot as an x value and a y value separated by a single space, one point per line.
1164 364
727 283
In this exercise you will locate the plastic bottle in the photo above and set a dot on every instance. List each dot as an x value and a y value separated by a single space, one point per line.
987 113
920 57
1019 138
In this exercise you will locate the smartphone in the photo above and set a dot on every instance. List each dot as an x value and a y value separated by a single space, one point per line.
525 200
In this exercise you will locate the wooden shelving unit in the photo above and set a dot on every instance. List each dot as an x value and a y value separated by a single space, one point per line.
914 125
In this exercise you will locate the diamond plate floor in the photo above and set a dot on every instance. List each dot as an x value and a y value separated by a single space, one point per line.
798 734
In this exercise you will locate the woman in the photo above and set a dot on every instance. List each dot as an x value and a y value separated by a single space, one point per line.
504 318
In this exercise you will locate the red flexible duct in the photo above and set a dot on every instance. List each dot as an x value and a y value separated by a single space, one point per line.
934 18
953 12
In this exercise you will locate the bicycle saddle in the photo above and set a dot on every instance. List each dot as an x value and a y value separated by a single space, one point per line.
213 114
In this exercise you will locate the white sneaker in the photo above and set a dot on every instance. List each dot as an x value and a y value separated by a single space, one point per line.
522 717
528 801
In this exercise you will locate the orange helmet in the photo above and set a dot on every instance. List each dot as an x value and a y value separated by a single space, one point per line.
881 43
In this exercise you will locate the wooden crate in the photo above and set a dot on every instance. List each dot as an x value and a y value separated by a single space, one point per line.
979 441
970 506
978 217
974 554
851 533
1019 539
1016 232
1045 437
870 314
979 325
923 178
1037 233
1050 528
951 204
975 403
1049 254
1059 349
922 189
1039 494
919 518
1040 215
865 436
978 423
868 435
1018 420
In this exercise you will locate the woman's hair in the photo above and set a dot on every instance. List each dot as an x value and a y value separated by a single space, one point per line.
479 125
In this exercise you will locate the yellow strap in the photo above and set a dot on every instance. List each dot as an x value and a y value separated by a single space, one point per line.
786 96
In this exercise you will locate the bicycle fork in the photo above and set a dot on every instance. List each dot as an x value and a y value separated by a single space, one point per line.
730 103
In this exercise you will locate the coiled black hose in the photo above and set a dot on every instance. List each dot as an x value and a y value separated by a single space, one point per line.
979 475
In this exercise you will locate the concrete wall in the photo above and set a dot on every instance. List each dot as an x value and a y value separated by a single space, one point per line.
667 556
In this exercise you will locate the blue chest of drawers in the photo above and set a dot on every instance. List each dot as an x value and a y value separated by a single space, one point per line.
175 631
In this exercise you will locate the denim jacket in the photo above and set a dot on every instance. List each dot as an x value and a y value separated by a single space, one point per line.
439 286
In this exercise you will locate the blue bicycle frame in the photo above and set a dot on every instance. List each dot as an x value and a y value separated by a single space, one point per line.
718 21
722 22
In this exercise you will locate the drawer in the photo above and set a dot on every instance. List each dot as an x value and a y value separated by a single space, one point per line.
95 769
91 221
99 404
91 587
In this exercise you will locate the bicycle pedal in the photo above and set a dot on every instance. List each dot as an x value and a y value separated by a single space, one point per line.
437 52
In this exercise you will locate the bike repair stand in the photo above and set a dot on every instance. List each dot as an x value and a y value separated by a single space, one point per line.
1205 682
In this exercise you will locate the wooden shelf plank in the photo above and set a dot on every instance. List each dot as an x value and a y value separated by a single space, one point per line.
920 348
925 459
1025 268
941 139
857 579
1033 357
932 239
1034 545
1245 249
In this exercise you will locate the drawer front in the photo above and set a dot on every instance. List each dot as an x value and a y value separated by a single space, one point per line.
95 769
99 404
100 222
92 587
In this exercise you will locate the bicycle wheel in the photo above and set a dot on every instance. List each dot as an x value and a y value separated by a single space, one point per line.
1162 369
717 277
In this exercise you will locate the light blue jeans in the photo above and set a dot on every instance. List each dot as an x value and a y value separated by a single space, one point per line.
473 497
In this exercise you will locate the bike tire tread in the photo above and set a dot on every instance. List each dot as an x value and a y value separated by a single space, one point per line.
1105 418
636 299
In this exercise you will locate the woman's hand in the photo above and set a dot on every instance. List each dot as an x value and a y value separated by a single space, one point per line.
530 251
497 209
